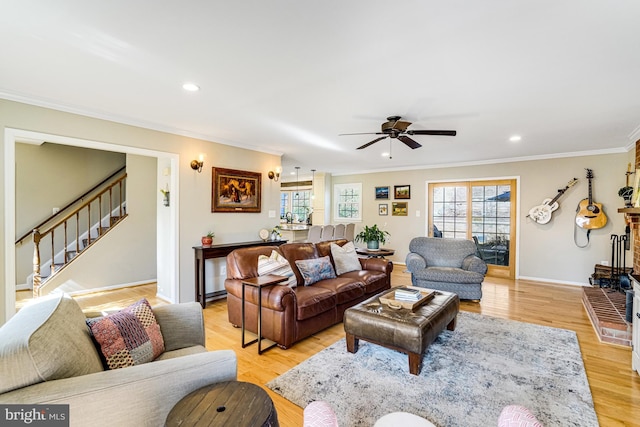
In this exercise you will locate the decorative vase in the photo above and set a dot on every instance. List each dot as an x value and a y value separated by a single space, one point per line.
373 245
207 241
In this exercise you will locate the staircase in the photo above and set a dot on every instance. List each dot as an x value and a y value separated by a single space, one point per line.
59 240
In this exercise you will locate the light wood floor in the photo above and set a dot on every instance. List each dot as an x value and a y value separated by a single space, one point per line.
614 386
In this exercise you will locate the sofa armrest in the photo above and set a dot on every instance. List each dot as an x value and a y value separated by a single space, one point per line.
377 264
475 264
137 395
415 262
182 325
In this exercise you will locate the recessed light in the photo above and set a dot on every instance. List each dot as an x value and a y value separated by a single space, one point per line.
191 87
385 154
515 138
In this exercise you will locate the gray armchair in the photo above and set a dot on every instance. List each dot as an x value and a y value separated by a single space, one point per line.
449 265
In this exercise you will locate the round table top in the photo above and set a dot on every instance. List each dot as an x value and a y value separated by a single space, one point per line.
375 252
231 403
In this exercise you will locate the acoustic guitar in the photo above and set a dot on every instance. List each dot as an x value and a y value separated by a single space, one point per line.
589 214
542 213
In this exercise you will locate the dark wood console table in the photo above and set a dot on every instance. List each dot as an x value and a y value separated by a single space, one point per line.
219 251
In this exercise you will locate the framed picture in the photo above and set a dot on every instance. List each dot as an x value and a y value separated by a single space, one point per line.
234 190
382 192
383 209
400 209
401 191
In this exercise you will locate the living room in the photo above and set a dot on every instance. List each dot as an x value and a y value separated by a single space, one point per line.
547 255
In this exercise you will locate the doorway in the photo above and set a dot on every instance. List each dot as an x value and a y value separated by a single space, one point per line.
166 252
484 211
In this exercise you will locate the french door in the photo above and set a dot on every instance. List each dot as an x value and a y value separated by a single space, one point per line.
484 211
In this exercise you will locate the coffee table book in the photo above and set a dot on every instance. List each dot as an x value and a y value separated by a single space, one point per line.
390 299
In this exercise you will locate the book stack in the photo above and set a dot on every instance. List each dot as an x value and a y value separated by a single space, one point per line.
406 294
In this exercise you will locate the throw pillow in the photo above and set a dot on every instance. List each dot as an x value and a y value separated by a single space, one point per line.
129 337
314 270
345 258
276 264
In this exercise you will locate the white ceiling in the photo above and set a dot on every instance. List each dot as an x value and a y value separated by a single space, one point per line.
288 76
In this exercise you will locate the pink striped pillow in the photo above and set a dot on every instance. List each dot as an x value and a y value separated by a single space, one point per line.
517 416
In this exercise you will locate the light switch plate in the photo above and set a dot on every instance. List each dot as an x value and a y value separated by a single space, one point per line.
272 214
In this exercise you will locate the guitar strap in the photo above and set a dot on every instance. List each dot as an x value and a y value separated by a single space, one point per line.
575 236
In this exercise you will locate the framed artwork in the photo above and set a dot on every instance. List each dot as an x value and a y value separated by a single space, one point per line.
383 209
382 192
401 191
235 190
400 209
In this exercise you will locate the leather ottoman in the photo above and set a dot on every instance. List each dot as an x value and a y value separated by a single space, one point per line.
401 329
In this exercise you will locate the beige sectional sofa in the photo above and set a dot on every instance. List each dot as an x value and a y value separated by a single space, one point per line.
48 356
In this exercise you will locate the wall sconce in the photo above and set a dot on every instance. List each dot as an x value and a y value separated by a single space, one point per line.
196 165
275 175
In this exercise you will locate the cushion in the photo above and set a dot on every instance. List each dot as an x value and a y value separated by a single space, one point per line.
316 269
345 258
128 337
46 339
277 264
517 416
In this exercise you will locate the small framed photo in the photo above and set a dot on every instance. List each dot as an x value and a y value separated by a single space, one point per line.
382 192
400 209
383 209
401 191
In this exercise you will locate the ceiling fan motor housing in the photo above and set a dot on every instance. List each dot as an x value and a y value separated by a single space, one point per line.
395 125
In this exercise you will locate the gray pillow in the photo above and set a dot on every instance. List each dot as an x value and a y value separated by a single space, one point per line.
345 258
47 339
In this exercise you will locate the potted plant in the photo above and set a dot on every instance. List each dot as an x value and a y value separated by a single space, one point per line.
373 236
626 193
207 240
275 233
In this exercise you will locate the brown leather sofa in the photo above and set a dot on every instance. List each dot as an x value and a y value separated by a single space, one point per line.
292 314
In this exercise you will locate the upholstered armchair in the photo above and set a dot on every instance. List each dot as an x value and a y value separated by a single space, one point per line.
449 265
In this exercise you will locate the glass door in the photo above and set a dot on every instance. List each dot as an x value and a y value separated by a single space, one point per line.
483 211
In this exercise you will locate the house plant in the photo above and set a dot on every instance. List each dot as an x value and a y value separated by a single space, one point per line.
373 236
207 240
626 193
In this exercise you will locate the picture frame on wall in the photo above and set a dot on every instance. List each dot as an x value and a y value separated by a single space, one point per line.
382 192
400 209
401 191
234 190
383 209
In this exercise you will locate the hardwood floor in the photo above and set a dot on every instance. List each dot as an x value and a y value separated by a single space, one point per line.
614 386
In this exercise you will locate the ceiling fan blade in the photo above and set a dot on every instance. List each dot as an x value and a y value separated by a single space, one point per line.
432 132
370 143
361 133
410 142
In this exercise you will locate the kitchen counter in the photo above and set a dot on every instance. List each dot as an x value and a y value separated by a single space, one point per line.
296 232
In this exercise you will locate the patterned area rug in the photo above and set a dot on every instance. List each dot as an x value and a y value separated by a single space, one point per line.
467 377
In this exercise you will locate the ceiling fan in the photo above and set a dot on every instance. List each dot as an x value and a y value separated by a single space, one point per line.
396 128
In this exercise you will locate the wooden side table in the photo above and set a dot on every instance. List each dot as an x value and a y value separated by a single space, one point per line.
231 403
380 253
258 282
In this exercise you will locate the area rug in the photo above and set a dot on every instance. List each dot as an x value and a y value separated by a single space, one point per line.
468 376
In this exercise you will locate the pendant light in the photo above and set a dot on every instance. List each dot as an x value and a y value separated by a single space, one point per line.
297 181
313 184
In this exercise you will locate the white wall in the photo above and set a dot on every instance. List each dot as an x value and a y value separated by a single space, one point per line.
545 252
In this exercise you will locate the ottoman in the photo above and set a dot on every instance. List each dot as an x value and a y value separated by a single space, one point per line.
401 329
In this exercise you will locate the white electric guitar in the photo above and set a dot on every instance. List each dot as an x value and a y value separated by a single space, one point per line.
542 213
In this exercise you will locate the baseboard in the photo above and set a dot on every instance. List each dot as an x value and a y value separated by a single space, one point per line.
106 288
551 281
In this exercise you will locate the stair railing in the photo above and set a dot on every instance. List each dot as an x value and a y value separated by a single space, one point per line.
82 223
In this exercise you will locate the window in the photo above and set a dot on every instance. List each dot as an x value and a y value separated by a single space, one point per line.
347 202
480 210
296 202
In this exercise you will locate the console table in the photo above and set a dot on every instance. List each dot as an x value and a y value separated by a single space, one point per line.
219 251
